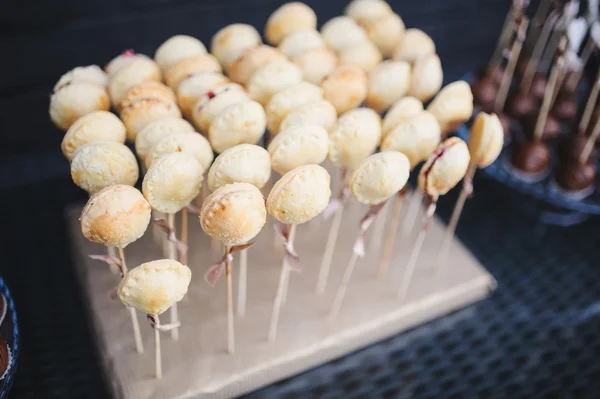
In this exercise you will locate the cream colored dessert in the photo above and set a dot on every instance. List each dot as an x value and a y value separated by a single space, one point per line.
346 87
177 48
388 82
297 146
95 126
288 19
244 163
378 177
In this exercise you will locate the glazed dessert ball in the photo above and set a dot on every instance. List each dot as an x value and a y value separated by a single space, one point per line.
73 101
531 157
520 105
342 32
297 146
288 99
149 88
355 137
139 71
139 113
230 43
121 61
252 59
244 163
190 66
189 142
427 77
378 177
153 132
193 88
95 126
346 87
241 123
316 64
298 42
444 168
388 82
574 176
176 49
319 113
89 74
565 108
288 19
271 78
415 43
386 33
216 101
484 93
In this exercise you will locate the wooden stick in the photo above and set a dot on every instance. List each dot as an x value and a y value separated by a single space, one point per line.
589 144
589 106
172 254
184 235
230 325
112 252
341 291
586 53
416 251
504 37
329 250
281 287
390 237
534 61
157 351
512 64
242 283
412 212
291 238
547 101
137 336
467 188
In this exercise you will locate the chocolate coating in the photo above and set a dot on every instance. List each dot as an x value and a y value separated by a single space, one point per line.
522 65
530 156
493 74
484 93
521 105
538 85
574 176
570 148
4 356
565 108
505 121
551 127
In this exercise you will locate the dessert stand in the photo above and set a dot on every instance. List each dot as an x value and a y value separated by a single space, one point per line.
198 365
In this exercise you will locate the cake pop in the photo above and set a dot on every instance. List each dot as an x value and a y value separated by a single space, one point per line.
402 109
414 44
240 123
230 42
427 77
130 75
374 181
388 82
139 113
188 142
189 66
122 60
452 106
156 130
213 102
90 74
149 88
299 196
271 78
288 19
176 49
95 126
234 214
191 89
319 113
300 41
316 63
287 99
346 87
367 11
342 32
364 55
253 58
297 146
386 33
154 287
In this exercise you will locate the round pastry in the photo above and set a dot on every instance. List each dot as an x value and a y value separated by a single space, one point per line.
565 108
154 287
388 82
571 147
452 106
300 195
416 137
191 89
230 42
122 60
271 78
550 131
414 44
484 93
241 123
89 74
531 157
367 11
342 32
519 105
103 163
244 163
403 109
288 99
252 59
378 177
356 136
189 66
316 63
75 100
173 181
445 167
234 214
486 139
298 42
115 216
575 176
140 112
538 87
5 357
95 126
153 132
149 88
288 19
386 33
346 87
427 77
319 113
364 55
297 146
189 142
176 49
131 75
213 102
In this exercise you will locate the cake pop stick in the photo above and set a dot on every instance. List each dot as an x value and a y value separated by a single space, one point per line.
548 99
412 212
300 195
534 61
485 144
244 163
589 106
589 145
510 22
233 214
587 51
373 182
153 288
442 171
116 216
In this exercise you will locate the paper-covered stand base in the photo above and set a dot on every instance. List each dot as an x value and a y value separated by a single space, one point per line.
198 365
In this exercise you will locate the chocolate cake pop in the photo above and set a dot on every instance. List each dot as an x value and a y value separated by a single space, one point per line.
530 157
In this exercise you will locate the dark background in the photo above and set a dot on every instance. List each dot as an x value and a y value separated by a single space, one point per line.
482 357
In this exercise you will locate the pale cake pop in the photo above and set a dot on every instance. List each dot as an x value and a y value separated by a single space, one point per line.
154 287
367 11
95 126
244 163
319 113
230 42
121 61
212 103
298 42
386 33
288 19
342 32
300 195
414 44
364 55
189 66
189 142
252 59
73 101
89 74
241 123
316 63
153 132
297 146
139 113
271 78
427 77
131 75
404 108
452 106
176 49
149 88
345 87
356 136
191 89
288 99
103 163
388 82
